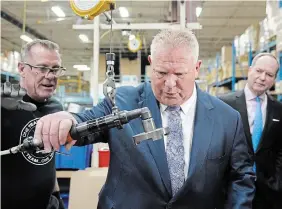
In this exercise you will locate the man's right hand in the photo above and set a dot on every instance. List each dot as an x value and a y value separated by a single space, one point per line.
53 130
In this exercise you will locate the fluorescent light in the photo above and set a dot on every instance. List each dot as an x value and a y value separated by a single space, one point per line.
198 11
60 19
123 12
83 68
58 11
80 66
131 37
26 38
124 32
83 38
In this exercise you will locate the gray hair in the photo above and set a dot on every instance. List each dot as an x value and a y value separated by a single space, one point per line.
263 55
176 38
44 43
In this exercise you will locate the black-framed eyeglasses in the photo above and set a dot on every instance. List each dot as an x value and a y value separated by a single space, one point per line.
161 75
57 71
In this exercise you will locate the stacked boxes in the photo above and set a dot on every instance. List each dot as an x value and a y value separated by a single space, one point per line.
240 85
278 87
253 33
226 64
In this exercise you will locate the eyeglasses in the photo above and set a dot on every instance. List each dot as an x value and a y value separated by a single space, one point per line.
57 71
160 74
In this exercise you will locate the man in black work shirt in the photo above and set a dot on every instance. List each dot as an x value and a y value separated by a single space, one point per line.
28 179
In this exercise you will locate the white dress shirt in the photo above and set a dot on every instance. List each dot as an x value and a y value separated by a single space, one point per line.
251 106
187 116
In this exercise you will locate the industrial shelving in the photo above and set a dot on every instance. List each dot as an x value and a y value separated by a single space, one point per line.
9 76
230 82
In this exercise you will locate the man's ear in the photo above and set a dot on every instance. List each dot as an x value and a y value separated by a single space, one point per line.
198 65
21 69
150 59
197 70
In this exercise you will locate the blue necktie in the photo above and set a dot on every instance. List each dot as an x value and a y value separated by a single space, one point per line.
175 149
258 127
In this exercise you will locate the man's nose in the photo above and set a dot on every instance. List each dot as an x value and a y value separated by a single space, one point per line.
170 81
262 76
50 75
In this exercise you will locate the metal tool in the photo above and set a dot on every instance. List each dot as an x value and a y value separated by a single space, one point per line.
150 129
11 90
109 86
28 145
83 131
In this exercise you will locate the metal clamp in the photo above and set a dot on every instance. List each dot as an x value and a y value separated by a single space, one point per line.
154 135
109 86
150 131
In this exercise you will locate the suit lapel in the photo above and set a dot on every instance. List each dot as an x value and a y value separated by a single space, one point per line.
201 139
157 148
241 106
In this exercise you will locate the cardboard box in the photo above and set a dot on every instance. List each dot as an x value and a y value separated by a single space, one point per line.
226 54
85 187
240 85
278 87
253 36
279 41
241 71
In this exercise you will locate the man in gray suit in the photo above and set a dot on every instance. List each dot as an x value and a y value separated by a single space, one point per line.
262 120
185 169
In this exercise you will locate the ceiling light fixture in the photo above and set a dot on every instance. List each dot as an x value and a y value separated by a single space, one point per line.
58 11
83 38
131 37
83 68
80 66
123 12
198 11
26 38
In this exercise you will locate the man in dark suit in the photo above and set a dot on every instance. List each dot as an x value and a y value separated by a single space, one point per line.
262 120
185 169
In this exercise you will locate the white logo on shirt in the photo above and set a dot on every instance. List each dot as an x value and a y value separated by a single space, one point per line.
36 158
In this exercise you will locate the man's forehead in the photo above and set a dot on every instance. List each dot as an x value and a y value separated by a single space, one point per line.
266 60
37 52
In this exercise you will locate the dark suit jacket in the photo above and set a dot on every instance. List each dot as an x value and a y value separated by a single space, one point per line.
138 176
268 157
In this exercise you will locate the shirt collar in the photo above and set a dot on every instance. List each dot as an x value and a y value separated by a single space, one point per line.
185 107
250 95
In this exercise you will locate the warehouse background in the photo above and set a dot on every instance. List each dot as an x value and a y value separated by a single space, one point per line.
230 34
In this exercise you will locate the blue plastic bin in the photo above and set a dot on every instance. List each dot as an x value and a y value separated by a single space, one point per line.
79 158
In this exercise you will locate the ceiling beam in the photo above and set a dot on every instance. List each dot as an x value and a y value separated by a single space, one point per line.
19 24
137 26
223 6
230 18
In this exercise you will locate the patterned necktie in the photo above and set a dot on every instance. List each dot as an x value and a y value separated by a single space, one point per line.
175 149
258 127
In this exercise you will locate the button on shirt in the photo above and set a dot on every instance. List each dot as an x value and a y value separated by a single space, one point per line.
188 109
251 106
